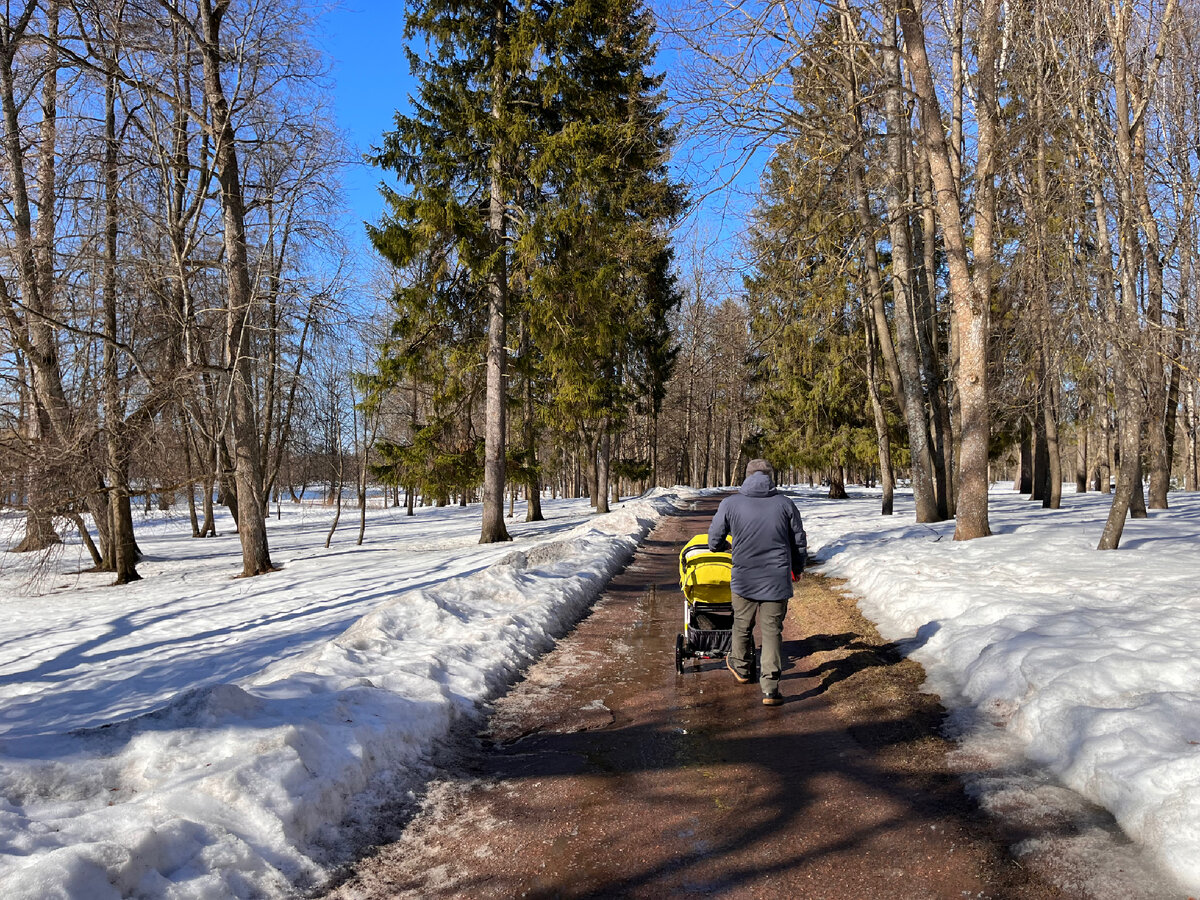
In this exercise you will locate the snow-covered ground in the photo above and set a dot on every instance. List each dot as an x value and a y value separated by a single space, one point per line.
1086 663
198 735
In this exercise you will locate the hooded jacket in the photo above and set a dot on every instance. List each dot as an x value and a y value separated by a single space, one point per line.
769 543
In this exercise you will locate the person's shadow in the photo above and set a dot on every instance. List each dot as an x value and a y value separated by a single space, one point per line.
861 656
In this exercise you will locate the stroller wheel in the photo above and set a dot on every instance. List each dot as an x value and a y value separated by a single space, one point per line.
679 653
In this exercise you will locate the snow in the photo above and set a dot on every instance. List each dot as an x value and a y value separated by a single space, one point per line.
197 735
1079 663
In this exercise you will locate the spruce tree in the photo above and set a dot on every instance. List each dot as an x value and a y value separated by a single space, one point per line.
598 251
430 360
458 157
806 322
541 133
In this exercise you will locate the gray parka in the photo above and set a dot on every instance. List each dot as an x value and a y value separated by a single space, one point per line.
769 543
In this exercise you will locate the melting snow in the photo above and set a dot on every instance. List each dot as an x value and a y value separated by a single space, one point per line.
197 735
1081 662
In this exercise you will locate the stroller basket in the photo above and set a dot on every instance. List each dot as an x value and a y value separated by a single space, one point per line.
710 642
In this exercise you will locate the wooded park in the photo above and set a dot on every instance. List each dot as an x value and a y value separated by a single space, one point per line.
968 254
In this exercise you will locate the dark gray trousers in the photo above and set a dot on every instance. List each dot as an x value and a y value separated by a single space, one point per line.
770 615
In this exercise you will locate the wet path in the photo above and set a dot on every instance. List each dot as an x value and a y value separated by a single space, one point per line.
605 774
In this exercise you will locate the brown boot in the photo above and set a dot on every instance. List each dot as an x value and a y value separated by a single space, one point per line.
740 679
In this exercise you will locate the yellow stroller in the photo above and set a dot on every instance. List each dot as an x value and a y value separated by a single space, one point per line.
704 578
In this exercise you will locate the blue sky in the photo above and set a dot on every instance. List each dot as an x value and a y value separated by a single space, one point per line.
364 40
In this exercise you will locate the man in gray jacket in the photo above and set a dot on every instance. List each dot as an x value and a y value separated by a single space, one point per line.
769 552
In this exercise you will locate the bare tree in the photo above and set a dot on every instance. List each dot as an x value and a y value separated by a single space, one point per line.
970 294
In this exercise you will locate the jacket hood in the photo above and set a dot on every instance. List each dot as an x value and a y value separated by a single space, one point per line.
757 485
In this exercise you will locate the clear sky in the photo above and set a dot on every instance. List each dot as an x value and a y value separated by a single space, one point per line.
365 40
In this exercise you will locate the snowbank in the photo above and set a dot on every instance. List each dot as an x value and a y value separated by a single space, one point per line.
238 789
1087 662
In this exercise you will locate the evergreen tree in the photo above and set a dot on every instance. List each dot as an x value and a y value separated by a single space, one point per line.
806 321
598 254
431 358
459 157
536 191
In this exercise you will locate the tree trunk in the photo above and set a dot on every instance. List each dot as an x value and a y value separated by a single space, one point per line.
925 495
97 559
495 413
337 501
1127 479
361 480
1137 500
882 437
837 483
1053 498
1157 452
654 450
191 484
874 317
1040 480
1177 345
124 555
1189 405
208 527
603 461
1025 464
727 467
410 489
614 477
48 425
533 481
1128 497
928 337
1081 452
970 297
1111 316
248 475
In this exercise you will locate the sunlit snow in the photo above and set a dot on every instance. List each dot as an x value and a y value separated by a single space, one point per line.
200 735
1084 662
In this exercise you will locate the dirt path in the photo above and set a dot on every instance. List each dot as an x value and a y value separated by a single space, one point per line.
604 774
